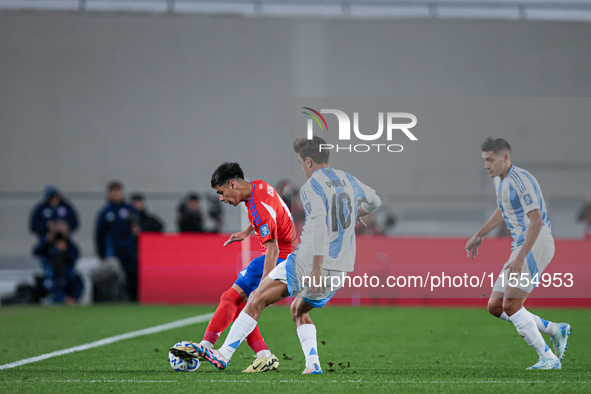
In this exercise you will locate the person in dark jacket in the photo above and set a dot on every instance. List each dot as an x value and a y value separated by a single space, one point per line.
584 215
147 221
53 207
189 214
116 234
58 255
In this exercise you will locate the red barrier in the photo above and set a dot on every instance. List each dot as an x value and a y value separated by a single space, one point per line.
196 269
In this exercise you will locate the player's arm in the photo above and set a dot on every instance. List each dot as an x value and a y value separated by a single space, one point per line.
270 257
370 203
239 236
492 223
367 206
531 235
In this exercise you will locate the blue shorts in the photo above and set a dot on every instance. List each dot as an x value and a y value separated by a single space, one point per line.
250 277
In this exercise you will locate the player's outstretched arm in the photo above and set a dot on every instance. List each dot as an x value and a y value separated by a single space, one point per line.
240 236
474 242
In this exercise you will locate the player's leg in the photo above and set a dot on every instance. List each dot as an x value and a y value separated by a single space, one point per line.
307 334
265 360
554 330
232 300
527 328
270 291
304 303
538 259
495 305
224 314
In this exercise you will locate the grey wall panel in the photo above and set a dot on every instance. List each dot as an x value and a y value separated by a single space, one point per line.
160 101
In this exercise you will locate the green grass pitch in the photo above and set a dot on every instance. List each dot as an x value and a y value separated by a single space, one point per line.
372 349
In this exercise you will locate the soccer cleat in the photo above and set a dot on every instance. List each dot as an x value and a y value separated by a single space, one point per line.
546 363
196 350
263 364
559 339
313 371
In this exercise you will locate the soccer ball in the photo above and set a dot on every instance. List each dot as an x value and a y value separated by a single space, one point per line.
181 365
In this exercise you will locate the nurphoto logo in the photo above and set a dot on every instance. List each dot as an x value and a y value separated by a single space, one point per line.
397 123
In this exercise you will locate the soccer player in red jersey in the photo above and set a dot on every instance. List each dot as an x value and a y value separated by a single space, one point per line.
272 223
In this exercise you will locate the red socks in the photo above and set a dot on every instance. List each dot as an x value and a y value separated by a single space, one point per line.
223 316
230 306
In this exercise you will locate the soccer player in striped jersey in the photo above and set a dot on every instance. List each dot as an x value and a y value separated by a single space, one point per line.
272 223
521 205
333 201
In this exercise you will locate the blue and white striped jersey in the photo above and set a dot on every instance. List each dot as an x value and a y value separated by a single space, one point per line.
334 194
518 194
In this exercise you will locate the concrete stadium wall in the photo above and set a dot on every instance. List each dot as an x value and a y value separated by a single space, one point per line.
159 101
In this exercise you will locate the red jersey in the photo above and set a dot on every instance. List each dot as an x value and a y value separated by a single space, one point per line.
270 217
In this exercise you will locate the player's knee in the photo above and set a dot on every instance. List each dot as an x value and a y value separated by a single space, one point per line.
257 301
298 315
510 307
230 296
495 307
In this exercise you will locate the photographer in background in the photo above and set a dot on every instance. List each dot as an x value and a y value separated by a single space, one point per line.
116 231
147 221
53 207
189 219
584 215
58 256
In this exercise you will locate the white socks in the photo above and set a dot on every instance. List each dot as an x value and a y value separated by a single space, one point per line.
544 326
241 328
206 344
307 335
264 353
527 328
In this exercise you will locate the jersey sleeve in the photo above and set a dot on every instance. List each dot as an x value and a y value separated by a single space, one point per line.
313 200
267 226
368 197
527 195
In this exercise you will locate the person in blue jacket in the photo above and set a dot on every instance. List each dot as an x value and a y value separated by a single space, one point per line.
116 234
54 207
58 255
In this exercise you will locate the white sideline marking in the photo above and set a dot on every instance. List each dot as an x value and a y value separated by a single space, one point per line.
116 338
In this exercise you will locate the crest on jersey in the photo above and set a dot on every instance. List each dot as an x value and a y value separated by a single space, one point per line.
527 199
505 197
264 230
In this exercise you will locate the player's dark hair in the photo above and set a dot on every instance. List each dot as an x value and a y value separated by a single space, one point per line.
114 185
225 172
495 145
311 148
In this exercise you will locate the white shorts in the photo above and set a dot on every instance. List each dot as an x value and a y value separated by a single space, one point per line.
536 262
293 273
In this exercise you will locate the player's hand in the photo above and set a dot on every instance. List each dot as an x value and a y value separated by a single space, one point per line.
235 237
317 285
472 246
516 266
